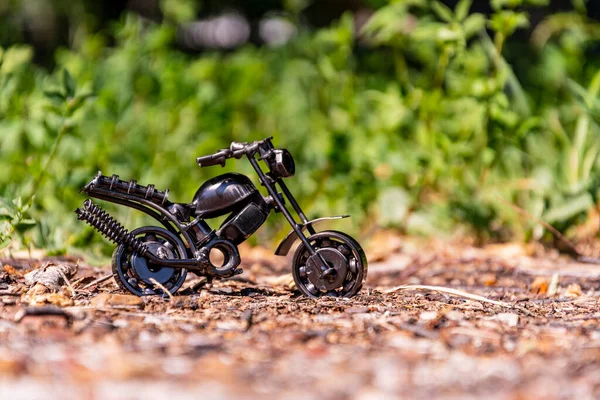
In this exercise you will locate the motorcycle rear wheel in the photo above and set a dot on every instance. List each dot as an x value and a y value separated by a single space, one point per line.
135 274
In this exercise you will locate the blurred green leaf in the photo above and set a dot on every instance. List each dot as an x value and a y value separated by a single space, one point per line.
569 208
442 11
55 95
14 58
473 24
179 10
507 22
77 102
462 9
68 84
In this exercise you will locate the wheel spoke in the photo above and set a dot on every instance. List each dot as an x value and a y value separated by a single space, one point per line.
149 291
302 271
312 289
348 286
344 250
353 265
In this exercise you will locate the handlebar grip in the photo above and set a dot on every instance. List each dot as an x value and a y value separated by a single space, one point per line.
213 159
208 162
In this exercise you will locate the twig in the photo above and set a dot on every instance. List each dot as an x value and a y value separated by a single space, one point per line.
42 311
546 225
97 281
448 290
124 310
459 293
524 310
559 300
588 260
62 274
5 293
164 289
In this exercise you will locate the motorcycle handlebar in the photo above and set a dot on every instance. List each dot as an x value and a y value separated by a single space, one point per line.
236 150
214 159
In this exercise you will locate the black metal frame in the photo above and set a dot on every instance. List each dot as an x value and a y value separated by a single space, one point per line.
171 223
162 215
196 235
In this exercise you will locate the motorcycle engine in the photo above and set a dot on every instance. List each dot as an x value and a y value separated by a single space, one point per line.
240 225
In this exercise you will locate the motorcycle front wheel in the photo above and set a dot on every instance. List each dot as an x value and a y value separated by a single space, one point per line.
346 269
138 275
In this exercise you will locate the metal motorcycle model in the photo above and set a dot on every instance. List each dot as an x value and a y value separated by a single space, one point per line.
151 259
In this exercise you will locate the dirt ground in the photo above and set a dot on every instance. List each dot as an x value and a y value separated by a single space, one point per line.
535 334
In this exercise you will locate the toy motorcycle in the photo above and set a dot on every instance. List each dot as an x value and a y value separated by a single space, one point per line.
151 259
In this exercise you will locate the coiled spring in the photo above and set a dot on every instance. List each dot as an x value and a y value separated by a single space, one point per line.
108 226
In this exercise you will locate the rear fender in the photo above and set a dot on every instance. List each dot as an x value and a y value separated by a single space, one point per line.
286 244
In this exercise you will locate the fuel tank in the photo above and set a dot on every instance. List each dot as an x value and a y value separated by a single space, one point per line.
222 195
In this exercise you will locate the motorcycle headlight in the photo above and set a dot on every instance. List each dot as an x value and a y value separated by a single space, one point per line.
282 163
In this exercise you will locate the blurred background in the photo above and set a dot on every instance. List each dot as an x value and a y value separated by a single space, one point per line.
429 117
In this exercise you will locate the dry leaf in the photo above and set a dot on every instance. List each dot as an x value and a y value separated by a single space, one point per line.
539 285
38 288
10 366
51 275
12 271
57 299
506 250
489 279
573 290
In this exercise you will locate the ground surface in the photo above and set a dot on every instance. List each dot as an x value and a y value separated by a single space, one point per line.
254 337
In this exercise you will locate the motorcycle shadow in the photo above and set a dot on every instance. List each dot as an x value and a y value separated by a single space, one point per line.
240 287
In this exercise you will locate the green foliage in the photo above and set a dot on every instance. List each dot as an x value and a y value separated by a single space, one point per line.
542 155
432 129
14 220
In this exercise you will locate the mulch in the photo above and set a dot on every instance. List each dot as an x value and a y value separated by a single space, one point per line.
255 336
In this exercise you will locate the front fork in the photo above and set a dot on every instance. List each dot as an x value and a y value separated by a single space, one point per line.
296 206
269 184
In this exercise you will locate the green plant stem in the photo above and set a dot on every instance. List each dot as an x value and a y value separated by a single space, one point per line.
499 44
40 177
511 78
441 70
401 67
